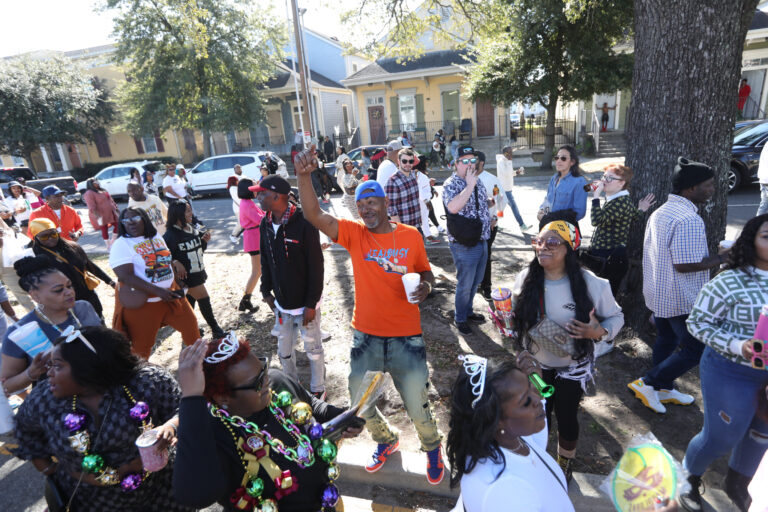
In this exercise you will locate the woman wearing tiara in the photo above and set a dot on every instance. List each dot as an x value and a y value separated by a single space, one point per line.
55 310
250 437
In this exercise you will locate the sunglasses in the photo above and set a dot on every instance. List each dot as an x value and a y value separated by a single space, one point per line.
562 158
45 237
71 334
130 220
760 354
467 161
259 380
406 161
608 179
550 243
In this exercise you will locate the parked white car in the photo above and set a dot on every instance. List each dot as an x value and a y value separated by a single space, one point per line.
211 174
114 179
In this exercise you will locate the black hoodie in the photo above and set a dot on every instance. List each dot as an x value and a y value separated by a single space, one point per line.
295 278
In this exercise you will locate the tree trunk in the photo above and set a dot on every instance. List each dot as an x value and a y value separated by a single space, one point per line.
687 66
27 154
207 150
549 134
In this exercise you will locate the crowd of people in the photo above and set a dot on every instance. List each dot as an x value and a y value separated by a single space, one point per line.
231 429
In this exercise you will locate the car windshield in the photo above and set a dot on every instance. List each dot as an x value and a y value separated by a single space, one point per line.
152 166
751 135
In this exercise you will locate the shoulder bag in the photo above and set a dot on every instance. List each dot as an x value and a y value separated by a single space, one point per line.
91 281
465 230
550 336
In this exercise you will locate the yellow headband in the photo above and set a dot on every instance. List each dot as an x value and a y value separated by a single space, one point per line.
40 224
566 231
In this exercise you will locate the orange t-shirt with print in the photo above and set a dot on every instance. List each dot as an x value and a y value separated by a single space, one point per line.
378 263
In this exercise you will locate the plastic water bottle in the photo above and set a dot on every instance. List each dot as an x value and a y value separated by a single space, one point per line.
6 414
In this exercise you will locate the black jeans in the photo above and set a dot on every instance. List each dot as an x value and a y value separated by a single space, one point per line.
565 402
615 267
485 284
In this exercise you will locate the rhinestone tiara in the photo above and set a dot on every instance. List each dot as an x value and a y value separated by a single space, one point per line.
475 367
227 347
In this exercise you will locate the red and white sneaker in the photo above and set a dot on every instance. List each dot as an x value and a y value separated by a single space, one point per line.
380 455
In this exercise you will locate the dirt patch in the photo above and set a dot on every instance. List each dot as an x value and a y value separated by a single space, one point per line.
608 420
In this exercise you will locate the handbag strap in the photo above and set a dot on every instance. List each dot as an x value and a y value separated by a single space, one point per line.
530 447
63 260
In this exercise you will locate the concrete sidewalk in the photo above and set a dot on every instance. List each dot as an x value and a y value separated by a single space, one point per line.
407 471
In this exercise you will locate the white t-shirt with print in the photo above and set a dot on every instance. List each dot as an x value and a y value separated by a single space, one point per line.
155 208
150 257
178 185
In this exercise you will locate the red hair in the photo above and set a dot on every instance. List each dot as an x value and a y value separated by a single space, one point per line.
216 381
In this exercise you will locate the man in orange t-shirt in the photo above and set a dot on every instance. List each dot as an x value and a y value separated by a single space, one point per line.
67 221
386 323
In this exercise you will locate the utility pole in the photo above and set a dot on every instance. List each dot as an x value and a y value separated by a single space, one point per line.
302 75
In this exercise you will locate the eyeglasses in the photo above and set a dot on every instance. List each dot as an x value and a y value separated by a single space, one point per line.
562 158
550 243
71 334
45 237
259 380
608 179
406 161
467 161
131 220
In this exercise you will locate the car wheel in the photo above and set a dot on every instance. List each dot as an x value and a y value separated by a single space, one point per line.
734 179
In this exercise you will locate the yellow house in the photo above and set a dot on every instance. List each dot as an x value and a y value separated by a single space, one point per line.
421 96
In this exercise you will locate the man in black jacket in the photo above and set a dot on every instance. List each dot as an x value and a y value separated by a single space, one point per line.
292 277
329 150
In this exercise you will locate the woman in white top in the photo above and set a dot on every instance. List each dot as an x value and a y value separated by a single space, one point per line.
20 200
497 441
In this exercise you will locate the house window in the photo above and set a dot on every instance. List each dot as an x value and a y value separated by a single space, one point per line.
372 101
189 140
345 117
102 144
297 113
445 14
17 161
408 112
150 146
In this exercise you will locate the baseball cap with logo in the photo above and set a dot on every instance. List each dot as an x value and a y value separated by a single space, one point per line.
467 149
272 183
394 145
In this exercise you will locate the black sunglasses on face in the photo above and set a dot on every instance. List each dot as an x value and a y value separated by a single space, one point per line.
406 161
259 380
563 158
130 220
467 161
550 243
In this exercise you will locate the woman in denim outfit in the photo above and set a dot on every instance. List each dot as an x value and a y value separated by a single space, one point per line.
566 188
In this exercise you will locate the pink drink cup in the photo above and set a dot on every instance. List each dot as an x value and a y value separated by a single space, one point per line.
761 332
151 458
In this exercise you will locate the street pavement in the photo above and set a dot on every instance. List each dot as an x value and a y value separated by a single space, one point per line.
21 485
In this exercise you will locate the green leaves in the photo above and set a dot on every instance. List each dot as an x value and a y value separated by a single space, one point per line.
194 63
44 101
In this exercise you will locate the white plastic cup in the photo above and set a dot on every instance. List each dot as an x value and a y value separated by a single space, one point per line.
30 338
410 283
6 414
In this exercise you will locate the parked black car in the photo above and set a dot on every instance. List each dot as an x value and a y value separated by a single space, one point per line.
748 142
31 179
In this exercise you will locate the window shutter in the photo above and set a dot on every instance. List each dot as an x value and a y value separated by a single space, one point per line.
394 113
159 142
139 145
420 111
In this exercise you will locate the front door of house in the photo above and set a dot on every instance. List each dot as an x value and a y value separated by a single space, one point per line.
450 100
376 122
485 125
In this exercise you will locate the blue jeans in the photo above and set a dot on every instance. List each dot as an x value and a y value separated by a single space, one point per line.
763 208
470 266
405 359
513 207
730 425
669 363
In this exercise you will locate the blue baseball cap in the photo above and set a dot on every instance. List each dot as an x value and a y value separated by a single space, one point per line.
51 190
370 188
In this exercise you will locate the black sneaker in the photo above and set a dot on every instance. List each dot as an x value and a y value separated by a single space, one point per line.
463 327
691 500
320 395
486 294
566 465
476 317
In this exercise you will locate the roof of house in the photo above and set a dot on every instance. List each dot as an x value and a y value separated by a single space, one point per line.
382 68
285 73
759 20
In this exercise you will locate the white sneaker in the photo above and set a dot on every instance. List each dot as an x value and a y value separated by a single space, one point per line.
325 335
673 396
233 239
441 229
647 395
602 348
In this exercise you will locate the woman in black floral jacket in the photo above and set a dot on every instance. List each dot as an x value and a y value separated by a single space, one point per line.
98 400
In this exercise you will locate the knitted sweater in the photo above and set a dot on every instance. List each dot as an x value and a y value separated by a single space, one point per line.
726 311
612 222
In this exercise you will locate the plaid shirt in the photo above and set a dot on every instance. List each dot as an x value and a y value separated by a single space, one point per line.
403 194
674 235
472 209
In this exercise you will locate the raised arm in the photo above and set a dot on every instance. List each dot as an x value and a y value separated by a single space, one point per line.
304 164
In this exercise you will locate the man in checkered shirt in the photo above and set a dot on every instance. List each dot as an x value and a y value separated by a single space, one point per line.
676 266
403 192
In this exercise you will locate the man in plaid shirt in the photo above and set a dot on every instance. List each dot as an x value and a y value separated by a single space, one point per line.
675 268
403 192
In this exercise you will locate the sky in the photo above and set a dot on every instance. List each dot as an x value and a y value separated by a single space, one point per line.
64 25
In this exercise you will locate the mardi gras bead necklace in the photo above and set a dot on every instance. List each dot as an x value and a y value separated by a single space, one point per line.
80 441
254 454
